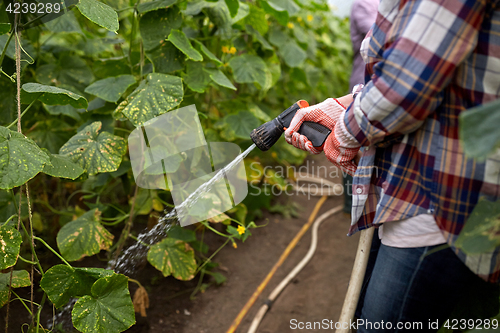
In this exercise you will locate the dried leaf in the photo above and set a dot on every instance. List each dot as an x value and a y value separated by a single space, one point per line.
141 301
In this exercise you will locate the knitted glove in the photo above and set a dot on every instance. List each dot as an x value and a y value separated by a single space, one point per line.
325 113
341 147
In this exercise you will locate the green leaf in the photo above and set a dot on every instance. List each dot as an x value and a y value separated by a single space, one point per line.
257 20
299 33
99 13
293 54
66 110
156 25
258 113
4 28
280 15
8 106
193 8
84 236
278 38
171 256
249 69
183 234
219 278
95 152
62 282
219 15
233 6
19 279
243 11
20 159
156 95
218 77
111 88
207 52
11 49
481 232
69 71
241 124
64 23
179 39
108 309
284 5
9 207
104 68
196 78
62 167
479 129
10 244
51 134
166 58
52 95
154 5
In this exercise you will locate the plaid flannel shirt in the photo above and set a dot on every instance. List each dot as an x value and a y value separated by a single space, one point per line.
428 61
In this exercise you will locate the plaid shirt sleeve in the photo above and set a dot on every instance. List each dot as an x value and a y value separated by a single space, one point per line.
424 45
427 62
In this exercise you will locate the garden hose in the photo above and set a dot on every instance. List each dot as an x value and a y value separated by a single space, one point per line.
322 191
282 258
274 294
357 275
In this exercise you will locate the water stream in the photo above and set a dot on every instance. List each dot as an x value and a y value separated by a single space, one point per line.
133 256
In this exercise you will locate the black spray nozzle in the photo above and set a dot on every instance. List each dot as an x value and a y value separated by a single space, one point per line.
266 135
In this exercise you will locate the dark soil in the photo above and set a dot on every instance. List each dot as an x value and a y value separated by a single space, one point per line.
315 294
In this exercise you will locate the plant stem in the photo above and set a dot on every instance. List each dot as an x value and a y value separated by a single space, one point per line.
33 250
10 218
138 240
53 251
141 61
213 255
27 261
22 301
52 209
165 203
132 33
76 192
197 286
128 226
135 281
39 312
25 110
217 232
115 222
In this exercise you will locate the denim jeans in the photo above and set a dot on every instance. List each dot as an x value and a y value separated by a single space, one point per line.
417 287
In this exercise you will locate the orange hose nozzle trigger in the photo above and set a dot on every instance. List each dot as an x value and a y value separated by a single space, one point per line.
303 104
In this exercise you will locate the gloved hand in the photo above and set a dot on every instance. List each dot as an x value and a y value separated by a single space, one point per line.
341 147
325 113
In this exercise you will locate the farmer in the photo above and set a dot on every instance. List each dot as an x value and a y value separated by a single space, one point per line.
427 62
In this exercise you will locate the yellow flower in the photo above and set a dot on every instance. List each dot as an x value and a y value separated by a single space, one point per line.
299 19
232 50
235 246
274 155
225 49
290 25
241 229
309 18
